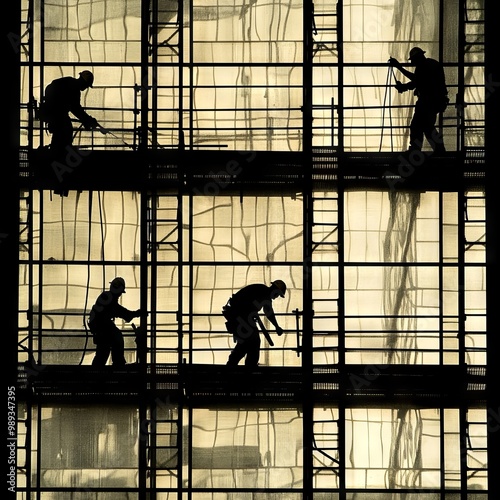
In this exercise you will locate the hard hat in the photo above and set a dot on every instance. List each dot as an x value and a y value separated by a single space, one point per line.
88 77
280 285
118 284
416 51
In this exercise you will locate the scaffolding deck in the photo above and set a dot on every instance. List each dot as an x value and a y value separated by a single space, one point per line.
220 172
219 384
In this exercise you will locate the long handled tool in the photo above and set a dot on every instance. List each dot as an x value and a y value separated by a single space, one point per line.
297 326
106 131
264 331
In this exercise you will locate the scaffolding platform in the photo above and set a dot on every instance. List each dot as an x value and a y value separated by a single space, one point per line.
219 172
202 384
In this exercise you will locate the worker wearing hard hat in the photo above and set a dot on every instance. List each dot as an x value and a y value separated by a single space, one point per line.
62 96
429 86
241 313
107 336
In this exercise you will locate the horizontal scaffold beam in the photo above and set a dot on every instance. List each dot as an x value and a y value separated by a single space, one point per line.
266 172
201 384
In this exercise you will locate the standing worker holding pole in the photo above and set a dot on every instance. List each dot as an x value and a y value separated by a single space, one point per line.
108 338
429 86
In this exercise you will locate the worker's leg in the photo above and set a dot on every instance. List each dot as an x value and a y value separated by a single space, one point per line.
61 129
253 350
237 354
117 348
431 133
102 352
60 147
416 130
423 124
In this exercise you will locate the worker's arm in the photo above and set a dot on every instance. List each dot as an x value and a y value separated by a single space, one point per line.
396 64
89 122
269 312
126 314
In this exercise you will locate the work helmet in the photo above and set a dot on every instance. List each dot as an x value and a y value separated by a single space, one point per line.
88 77
279 285
416 51
118 285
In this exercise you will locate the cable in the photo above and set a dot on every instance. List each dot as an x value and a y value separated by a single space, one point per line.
390 71
77 131
88 282
85 325
387 86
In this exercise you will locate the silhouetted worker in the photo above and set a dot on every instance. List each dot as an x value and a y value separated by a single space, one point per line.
62 96
241 313
108 337
429 86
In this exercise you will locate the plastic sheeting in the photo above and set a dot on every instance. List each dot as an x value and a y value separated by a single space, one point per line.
237 83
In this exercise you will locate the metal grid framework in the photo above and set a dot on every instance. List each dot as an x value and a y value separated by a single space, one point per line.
261 141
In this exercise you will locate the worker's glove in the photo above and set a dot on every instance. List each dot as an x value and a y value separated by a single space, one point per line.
91 124
279 331
400 87
394 62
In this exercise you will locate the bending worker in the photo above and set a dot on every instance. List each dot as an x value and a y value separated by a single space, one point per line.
429 86
108 338
241 313
62 96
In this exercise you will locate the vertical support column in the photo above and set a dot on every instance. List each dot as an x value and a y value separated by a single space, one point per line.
144 83
460 104
149 232
307 364
307 359
31 101
307 76
341 334
461 275
492 104
463 450
180 21
190 62
461 340
9 226
143 143
340 72
461 250
153 51
143 400
341 258
341 247
180 284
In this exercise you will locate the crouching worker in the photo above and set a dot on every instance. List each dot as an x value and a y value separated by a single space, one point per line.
108 338
241 313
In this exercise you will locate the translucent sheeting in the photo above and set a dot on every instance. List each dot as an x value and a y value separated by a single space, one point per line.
400 301
387 274
251 448
237 81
